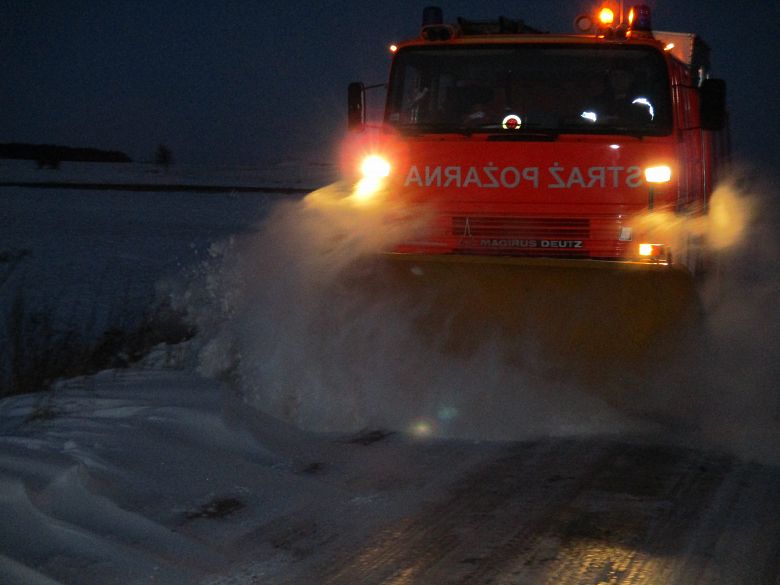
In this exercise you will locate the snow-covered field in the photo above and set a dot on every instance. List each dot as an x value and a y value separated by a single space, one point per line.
407 466
95 257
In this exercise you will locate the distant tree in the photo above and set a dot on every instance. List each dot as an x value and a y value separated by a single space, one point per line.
48 163
50 155
163 156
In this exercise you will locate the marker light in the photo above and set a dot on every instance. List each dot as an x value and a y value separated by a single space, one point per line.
651 250
639 18
393 48
375 167
659 174
606 16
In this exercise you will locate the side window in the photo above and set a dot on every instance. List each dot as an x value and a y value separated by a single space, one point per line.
406 99
419 96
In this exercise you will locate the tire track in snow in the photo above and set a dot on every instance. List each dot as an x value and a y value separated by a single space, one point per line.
586 512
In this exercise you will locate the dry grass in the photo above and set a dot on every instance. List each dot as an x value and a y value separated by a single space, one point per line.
38 353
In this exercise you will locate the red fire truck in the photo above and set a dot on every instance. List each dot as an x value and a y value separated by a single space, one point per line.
554 150
547 145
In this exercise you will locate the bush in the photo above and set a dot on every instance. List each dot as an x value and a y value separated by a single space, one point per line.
38 353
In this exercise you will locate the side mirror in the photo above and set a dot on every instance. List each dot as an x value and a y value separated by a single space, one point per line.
356 106
712 101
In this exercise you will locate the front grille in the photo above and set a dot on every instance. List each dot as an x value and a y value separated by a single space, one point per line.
551 237
541 228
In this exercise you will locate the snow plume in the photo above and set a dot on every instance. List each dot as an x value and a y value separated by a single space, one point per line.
311 326
722 389
732 209
744 323
283 311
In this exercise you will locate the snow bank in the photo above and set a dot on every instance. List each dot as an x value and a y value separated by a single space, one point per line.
158 475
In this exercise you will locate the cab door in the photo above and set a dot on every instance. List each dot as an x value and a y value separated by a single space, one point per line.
691 186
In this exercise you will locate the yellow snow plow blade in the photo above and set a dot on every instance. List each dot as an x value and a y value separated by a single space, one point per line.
587 318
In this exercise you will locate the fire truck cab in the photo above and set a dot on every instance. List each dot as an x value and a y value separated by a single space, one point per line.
538 145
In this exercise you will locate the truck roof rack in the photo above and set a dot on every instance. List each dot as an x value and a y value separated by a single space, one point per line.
501 26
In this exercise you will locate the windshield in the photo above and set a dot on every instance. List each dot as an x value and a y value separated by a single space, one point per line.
530 88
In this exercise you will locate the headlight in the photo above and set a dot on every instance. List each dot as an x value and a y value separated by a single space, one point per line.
659 174
375 167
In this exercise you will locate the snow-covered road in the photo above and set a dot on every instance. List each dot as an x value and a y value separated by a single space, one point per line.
585 512
155 475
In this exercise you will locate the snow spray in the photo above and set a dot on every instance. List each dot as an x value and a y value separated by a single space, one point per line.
725 389
284 314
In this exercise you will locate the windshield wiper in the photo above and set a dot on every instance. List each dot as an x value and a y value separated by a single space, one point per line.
526 133
428 127
631 131
532 136
447 128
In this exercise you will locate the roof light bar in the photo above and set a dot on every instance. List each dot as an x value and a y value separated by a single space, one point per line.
606 16
606 21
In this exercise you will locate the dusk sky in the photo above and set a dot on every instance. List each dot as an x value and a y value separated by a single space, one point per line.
254 82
